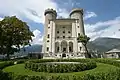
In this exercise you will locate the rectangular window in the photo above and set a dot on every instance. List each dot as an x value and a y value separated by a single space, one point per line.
68 31
48 36
80 48
48 27
49 22
47 48
63 36
57 31
57 49
78 34
63 31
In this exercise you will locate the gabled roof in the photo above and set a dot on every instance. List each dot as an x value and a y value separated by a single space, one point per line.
113 50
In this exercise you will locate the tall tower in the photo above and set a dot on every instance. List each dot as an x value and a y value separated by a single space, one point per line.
77 13
50 14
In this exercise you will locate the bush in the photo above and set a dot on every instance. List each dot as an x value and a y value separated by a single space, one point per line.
44 66
110 75
5 64
9 63
108 61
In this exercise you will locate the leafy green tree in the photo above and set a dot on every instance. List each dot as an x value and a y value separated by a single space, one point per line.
84 40
14 33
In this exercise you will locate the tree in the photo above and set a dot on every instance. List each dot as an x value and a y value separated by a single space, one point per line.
14 33
84 40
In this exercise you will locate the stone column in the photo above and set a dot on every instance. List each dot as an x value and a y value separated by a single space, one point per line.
60 47
53 38
68 46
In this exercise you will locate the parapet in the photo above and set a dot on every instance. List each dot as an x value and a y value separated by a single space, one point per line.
47 11
76 10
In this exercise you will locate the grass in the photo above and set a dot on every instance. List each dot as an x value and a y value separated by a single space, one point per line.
19 69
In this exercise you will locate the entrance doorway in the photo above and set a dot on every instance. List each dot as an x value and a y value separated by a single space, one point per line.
64 49
63 55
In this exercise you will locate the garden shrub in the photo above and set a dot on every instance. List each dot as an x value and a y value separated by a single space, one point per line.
44 66
5 64
108 61
110 75
9 63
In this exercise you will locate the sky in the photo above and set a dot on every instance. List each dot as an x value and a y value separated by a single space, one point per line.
101 17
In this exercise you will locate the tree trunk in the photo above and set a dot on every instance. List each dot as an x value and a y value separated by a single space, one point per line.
8 57
8 52
87 55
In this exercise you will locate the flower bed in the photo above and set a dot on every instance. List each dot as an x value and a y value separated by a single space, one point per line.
60 66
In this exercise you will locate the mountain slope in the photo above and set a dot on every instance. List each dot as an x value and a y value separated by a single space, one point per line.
104 44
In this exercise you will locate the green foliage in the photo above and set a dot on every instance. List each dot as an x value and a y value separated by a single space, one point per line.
45 66
83 38
5 75
110 75
9 63
108 61
13 32
5 64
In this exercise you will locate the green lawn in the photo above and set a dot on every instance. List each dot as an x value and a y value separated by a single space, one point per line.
19 69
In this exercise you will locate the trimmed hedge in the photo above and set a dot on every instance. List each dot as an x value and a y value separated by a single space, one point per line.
108 61
5 64
5 75
110 75
9 63
44 66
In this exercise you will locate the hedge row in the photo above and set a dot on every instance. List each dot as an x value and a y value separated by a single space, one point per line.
9 63
60 60
108 61
110 75
59 68
5 75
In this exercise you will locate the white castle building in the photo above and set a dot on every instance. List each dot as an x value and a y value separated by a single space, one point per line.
60 35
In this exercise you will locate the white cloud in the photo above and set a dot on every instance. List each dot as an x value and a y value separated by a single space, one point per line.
31 9
89 15
110 28
1 19
63 13
38 38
